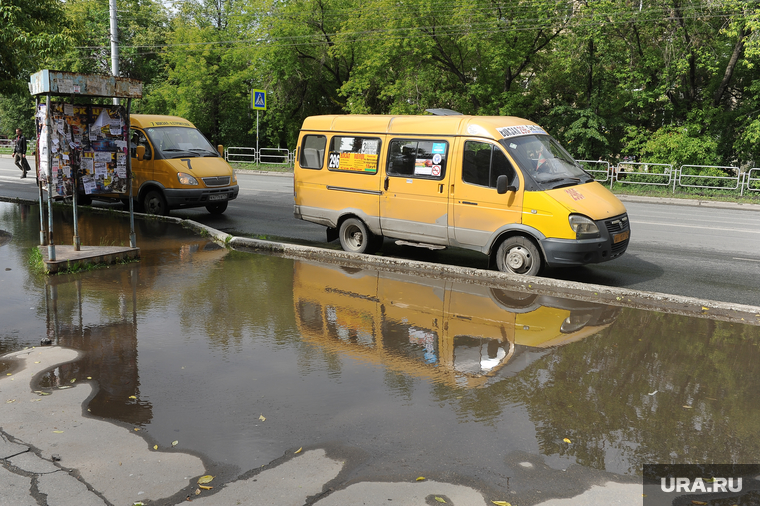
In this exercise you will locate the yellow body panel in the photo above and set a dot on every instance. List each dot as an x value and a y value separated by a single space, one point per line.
590 199
544 213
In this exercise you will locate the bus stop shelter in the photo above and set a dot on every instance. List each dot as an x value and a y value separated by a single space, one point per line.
83 149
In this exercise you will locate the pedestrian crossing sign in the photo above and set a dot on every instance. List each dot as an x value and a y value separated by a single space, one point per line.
259 100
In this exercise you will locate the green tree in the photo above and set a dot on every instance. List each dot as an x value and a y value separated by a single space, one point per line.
30 32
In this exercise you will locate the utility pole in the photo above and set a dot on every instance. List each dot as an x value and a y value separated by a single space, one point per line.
114 44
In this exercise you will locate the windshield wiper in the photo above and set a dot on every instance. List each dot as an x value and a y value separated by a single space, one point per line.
206 152
573 181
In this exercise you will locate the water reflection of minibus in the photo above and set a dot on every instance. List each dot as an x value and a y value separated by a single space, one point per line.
452 332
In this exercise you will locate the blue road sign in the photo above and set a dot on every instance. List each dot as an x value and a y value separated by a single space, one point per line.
259 100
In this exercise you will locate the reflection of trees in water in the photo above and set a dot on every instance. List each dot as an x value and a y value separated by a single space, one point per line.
596 393
241 297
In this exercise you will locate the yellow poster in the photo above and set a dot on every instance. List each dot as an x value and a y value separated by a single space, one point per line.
358 162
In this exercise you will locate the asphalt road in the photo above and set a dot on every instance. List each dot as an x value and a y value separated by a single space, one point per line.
681 249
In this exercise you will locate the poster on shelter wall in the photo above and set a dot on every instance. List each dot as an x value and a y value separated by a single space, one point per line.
88 140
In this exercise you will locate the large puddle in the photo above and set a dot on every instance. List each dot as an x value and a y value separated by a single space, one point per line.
241 357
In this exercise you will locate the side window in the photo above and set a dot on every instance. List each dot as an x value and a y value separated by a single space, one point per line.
312 151
483 163
354 154
139 139
417 158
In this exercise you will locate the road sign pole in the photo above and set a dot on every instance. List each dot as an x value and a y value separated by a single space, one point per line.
258 158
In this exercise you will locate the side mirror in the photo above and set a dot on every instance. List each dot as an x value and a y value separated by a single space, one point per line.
140 150
503 186
220 148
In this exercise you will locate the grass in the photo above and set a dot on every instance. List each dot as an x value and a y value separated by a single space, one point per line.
261 167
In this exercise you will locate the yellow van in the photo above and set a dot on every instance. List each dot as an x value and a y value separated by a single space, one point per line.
176 167
498 185
452 332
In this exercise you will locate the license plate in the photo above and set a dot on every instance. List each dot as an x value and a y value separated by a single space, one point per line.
218 196
621 237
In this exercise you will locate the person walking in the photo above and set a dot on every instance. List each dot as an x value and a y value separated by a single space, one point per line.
19 153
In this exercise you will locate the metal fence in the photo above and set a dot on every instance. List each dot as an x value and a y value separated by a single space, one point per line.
6 143
597 168
268 156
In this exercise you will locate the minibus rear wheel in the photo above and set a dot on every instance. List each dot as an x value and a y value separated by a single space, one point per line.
355 237
518 255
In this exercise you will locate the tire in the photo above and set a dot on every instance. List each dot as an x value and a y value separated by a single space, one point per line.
84 200
217 208
155 203
355 237
519 255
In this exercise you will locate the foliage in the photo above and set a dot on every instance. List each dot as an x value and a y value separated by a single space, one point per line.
30 31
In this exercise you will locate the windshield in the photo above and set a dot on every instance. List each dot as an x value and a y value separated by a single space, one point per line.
546 162
180 142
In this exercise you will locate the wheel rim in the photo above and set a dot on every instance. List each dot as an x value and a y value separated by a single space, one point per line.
519 260
354 237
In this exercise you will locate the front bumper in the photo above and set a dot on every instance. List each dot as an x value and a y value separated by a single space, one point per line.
178 198
615 235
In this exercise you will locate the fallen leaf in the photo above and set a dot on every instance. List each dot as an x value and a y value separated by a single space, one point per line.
9 374
89 377
704 309
699 502
137 428
9 401
440 499
420 478
175 443
652 393
57 432
197 491
687 407
262 418
299 450
73 380
37 362
206 479
132 397
155 447
501 503
44 393
567 441
205 487
35 400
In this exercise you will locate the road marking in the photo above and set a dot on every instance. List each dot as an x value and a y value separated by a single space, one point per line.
700 227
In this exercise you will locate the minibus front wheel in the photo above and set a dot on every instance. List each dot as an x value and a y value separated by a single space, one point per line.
519 255
356 238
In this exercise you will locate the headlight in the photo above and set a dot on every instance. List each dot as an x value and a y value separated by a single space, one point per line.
186 179
233 179
583 227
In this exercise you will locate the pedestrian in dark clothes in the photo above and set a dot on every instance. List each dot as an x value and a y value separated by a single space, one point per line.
19 153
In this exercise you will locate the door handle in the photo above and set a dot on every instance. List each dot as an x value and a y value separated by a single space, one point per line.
440 188
385 185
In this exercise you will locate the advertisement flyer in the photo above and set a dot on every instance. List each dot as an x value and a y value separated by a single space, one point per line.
88 141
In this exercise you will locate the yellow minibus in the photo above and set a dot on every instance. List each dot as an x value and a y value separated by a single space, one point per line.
498 185
174 166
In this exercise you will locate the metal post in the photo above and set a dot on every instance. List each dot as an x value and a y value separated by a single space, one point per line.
49 176
257 157
132 238
75 177
114 44
37 163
